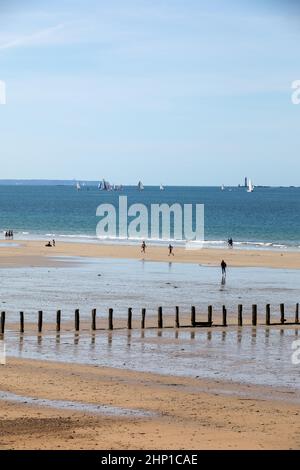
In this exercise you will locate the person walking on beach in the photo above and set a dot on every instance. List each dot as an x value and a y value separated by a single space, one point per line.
143 248
223 266
230 243
170 250
53 242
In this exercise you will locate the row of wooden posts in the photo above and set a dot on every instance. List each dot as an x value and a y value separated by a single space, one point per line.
194 323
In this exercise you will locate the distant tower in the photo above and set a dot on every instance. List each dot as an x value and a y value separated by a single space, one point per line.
246 182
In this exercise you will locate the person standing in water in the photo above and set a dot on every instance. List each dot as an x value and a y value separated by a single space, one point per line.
143 248
170 250
223 266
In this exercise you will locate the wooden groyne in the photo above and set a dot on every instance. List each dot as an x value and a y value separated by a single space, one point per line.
255 318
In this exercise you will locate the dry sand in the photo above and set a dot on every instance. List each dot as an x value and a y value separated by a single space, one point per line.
34 253
188 413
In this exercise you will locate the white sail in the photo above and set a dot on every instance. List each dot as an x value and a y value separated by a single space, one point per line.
250 187
161 187
140 186
222 187
78 187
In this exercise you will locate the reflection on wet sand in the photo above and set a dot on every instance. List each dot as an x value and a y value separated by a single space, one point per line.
248 354
253 336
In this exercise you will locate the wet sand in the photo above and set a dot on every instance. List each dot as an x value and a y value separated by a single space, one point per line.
188 413
34 253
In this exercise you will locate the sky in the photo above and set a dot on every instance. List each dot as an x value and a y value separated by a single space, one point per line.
183 92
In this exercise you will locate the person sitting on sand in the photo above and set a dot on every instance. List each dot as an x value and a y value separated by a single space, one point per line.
48 244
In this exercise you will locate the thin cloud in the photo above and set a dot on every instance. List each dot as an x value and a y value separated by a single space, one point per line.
37 38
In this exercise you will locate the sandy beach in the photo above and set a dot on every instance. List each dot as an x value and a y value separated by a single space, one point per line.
34 253
169 412
186 413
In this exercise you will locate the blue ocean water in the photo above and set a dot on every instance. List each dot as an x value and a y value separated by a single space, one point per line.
268 217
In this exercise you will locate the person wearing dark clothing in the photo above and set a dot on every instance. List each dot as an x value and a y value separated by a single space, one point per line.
143 248
171 250
223 266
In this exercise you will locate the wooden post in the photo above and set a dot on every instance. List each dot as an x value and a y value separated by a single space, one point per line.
160 318
209 314
58 319
297 313
240 315
21 322
129 320
94 311
268 314
110 319
177 317
2 322
254 315
40 321
282 319
193 316
224 312
77 319
143 318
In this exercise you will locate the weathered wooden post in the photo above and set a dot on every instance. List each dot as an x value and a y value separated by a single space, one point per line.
40 321
209 314
21 322
160 318
110 319
58 320
129 319
77 320
282 319
193 316
254 315
177 325
94 311
297 313
240 315
224 314
268 314
143 318
2 322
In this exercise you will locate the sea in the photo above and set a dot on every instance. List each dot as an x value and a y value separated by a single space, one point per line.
267 218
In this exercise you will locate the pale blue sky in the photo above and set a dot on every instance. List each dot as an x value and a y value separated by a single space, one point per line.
180 92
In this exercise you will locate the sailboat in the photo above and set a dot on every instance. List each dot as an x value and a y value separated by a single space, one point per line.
78 187
140 186
104 186
161 187
222 187
250 188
